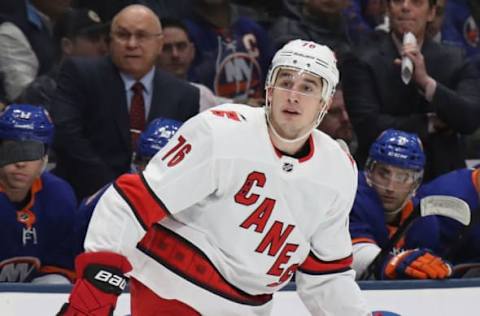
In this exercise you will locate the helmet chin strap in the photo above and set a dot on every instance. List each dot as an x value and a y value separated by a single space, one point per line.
286 140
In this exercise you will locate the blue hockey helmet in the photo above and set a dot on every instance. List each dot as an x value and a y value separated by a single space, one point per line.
156 136
25 133
398 148
25 122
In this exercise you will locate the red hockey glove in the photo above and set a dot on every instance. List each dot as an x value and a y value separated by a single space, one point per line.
100 280
416 264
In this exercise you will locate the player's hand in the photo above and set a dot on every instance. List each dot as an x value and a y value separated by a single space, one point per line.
416 264
100 281
420 75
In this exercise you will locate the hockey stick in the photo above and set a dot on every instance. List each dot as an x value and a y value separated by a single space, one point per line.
466 270
443 205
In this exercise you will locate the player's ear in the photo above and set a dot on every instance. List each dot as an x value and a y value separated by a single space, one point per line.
269 93
67 46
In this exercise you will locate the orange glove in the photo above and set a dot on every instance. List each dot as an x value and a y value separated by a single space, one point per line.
416 264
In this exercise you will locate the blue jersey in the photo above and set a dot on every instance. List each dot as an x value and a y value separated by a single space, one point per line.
368 224
37 239
460 184
459 27
83 216
232 62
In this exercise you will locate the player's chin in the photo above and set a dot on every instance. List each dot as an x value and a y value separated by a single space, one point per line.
287 132
391 206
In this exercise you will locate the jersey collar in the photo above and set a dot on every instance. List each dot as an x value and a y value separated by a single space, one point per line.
304 157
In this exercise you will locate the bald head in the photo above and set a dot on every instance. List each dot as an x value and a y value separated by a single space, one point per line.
137 12
137 40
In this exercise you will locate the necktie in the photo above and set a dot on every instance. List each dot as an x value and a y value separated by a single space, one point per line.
137 113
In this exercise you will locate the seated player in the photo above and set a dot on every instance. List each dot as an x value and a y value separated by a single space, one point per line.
462 243
36 208
393 173
152 139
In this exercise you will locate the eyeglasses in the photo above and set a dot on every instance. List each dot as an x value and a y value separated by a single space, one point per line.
140 37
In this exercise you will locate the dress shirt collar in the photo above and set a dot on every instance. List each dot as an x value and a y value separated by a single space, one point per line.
146 80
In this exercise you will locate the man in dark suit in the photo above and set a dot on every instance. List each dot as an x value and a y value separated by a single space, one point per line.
439 103
97 104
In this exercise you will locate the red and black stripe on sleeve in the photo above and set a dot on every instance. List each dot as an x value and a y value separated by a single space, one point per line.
146 206
313 265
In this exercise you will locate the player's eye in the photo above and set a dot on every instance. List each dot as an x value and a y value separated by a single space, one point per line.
306 88
286 84
384 174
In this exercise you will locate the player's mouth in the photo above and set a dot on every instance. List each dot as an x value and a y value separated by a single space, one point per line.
291 112
20 177
406 21
132 56
387 198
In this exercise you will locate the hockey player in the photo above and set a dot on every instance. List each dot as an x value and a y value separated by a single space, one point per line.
461 244
36 207
239 201
155 136
393 173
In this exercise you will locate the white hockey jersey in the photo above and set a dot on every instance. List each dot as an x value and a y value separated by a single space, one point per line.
220 219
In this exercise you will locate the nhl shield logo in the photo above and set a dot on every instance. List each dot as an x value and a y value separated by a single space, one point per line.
287 167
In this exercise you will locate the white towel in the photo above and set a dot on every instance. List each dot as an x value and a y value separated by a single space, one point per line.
407 65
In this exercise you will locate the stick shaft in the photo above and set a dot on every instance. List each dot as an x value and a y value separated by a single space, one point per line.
380 258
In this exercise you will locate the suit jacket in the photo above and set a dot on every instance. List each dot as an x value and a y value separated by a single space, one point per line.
92 138
377 99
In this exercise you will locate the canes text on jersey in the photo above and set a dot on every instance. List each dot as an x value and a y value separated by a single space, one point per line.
275 237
